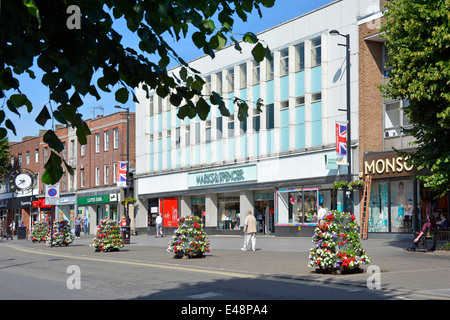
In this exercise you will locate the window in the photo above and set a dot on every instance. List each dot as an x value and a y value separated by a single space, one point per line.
64 181
316 52
36 155
64 155
97 176
177 138
97 142
231 126
243 129
106 139
256 120
20 159
300 57
83 150
219 128
219 82
115 172
197 133
72 149
284 62
395 118
270 124
242 76
207 85
151 104
269 69
27 157
230 79
255 73
316 97
106 174
284 104
299 101
116 137
187 136
45 153
82 177
208 131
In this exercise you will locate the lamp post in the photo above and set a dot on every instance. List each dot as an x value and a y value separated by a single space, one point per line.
349 139
127 189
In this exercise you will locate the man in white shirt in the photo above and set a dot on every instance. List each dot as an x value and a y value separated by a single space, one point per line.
321 215
159 226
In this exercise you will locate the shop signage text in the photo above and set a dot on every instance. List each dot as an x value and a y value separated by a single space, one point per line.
223 176
387 165
104 198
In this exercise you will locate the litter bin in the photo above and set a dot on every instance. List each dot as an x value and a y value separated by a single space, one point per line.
126 234
21 233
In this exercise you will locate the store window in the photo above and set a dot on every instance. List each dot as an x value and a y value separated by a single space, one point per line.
297 206
229 213
378 209
198 208
402 195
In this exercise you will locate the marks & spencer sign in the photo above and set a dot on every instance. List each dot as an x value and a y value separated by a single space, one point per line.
222 176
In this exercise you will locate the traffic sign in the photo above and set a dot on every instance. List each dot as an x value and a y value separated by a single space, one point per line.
52 194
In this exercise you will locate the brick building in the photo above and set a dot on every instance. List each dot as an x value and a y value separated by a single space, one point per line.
90 189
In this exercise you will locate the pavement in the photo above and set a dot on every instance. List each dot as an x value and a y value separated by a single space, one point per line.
400 271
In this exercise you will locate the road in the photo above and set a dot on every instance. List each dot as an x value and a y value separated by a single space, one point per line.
38 272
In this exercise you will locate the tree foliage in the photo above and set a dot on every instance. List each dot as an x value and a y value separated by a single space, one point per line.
5 157
37 32
418 42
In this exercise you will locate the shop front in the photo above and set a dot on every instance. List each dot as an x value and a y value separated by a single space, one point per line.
67 208
98 207
399 203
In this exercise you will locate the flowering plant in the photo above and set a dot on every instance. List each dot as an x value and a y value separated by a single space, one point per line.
39 231
189 238
337 245
61 234
357 184
107 237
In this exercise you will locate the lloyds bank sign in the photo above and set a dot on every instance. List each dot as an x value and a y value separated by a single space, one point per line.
222 176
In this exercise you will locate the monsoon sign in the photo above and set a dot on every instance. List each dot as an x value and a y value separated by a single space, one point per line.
223 176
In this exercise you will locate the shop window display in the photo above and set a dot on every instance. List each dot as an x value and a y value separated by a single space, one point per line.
229 215
297 206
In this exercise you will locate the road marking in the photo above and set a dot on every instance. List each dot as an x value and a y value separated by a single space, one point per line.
135 263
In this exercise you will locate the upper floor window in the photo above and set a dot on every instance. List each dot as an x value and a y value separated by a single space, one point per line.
300 57
269 69
242 76
116 137
255 73
106 139
97 142
230 79
284 62
316 52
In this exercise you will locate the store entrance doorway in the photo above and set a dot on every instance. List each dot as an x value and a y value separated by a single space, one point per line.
264 214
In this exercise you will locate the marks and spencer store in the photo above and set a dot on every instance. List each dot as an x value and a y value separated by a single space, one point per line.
399 203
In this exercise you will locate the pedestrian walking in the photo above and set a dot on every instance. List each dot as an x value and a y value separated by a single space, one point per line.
77 227
159 226
85 224
249 232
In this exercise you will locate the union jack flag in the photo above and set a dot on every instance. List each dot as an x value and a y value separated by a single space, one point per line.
341 142
121 173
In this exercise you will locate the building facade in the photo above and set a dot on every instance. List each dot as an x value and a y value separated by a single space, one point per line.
280 163
91 188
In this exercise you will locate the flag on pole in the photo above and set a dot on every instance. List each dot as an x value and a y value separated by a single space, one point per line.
122 174
341 143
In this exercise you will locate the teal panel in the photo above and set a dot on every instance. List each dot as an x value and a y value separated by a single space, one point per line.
256 93
152 155
230 102
151 125
256 144
243 94
270 142
177 122
299 115
168 119
269 92
284 118
300 136
208 153
187 156
284 137
316 111
300 83
169 159
177 158
197 154
160 161
316 133
231 153
159 145
316 79
243 147
219 147
160 122
284 88
187 121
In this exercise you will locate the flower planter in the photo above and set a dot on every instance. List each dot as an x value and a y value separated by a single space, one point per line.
189 239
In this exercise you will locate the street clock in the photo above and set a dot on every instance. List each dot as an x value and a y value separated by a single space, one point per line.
21 180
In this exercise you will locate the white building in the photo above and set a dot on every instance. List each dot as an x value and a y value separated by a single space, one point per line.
279 164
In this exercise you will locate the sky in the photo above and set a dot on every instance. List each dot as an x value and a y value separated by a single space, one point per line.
282 11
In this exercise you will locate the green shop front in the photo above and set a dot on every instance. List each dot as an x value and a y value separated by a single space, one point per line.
98 207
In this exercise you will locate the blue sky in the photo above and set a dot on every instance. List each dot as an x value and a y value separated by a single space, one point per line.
283 10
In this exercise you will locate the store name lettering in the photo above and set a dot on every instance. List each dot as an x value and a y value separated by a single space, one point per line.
220 177
94 199
392 165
